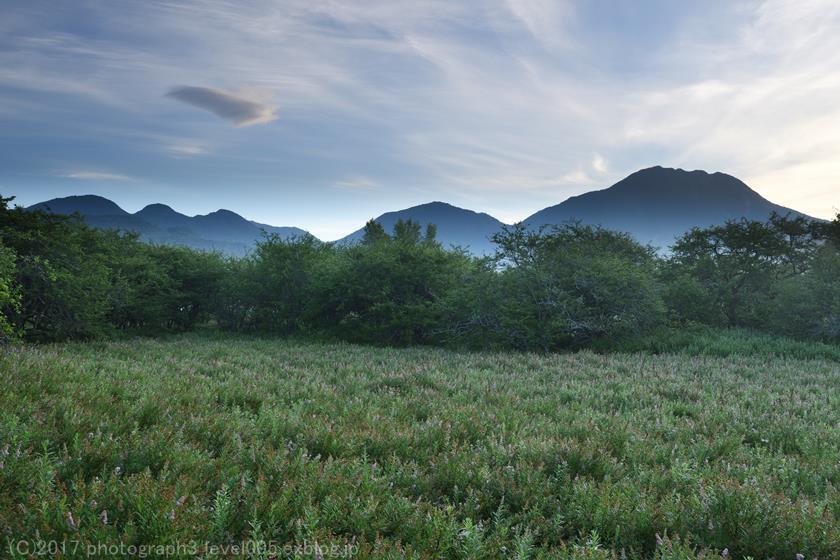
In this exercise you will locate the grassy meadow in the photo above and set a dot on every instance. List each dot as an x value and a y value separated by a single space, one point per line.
419 452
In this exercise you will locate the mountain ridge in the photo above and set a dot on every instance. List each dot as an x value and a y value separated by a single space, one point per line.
221 230
655 205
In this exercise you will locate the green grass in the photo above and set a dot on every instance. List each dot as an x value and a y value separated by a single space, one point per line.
420 453
699 340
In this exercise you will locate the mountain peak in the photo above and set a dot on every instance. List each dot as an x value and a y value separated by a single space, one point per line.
660 171
230 223
157 208
658 204
86 204
668 182
161 215
455 226
222 213
437 205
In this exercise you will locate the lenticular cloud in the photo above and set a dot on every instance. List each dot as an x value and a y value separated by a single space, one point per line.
229 106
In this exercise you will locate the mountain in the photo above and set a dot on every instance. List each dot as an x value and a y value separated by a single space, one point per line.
455 226
222 230
658 204
654 205
97 211
87 205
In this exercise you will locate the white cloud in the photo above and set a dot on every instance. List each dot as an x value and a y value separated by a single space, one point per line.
94 176
577 177
184 150
599 164
357 183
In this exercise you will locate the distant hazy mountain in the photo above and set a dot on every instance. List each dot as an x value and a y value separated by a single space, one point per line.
656 205
455 226
222 230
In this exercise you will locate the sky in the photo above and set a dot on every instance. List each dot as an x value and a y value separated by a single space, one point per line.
324 114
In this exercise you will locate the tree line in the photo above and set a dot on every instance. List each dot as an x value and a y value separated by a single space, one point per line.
565 287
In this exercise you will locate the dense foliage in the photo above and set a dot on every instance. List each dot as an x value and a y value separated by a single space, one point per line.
419 452
567 287
9 295
70 281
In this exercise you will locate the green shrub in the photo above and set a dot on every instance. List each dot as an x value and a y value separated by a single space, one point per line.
9 294
561 289
387 289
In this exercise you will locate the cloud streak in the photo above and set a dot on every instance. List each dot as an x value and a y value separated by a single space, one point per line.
184 150
229 106
357 183
94 176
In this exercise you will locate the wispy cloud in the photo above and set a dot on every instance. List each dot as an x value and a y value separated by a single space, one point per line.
545 19
599 164
185 150
578 177
230 106
94 176
357 183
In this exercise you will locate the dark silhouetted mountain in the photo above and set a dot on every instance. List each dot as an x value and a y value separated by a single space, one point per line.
163 216
455 226
87 205
656 205
222 230
97 211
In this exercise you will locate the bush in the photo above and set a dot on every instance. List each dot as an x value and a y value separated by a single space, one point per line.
808 305
164 288
387 289
9 294
73 282
689 300
283 273
738 268
561 289
62 274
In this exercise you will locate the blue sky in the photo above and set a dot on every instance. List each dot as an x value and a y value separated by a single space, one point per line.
324 114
